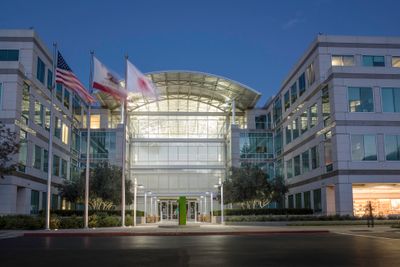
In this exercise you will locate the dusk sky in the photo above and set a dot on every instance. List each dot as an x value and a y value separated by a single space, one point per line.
253 42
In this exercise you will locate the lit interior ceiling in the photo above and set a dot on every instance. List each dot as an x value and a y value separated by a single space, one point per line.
202 87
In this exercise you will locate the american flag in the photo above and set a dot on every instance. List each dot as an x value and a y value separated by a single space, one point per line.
65 76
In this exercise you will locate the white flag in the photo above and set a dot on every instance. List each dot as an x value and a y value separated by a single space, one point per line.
106 81
138 82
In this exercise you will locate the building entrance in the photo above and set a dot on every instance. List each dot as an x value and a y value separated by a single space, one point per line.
169 210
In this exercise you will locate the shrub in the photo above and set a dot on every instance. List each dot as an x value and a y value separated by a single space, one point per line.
71 222
17 222
65 213
109 221
238 212
128 220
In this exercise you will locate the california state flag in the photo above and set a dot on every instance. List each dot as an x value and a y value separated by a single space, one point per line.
107 82
137 82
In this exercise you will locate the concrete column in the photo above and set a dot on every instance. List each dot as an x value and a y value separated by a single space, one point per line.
328 200
344 199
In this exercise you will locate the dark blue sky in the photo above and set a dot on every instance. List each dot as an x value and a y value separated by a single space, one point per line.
253 42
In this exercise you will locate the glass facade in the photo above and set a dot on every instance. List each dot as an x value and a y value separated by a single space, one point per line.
342 60
256 145
102 146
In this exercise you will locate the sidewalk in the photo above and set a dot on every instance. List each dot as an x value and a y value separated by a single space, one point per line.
208 229
197 229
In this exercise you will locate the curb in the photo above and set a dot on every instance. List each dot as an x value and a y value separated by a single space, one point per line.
111 234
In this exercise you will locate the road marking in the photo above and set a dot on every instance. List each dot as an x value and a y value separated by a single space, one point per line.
6 235
370 236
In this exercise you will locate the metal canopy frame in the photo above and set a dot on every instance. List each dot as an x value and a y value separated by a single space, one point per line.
209 89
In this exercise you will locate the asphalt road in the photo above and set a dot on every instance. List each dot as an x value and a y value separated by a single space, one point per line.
266 250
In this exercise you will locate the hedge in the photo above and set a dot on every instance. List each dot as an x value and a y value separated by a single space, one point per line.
67 213
31 222
239 212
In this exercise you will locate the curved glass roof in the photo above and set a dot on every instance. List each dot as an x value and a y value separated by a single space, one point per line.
178 86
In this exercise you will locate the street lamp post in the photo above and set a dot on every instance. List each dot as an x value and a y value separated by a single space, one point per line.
211 207
220 184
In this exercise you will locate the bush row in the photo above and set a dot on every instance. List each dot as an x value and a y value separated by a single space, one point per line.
65 213
27 222
238 212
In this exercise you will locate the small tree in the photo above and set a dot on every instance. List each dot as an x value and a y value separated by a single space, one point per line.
250 187
104 184
8 147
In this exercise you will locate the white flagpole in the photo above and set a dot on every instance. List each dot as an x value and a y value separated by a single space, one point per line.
86 215
50 148
123 118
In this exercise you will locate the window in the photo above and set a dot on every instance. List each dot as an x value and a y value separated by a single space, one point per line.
59 92
297 169
277 111
278 169
34 202
269 124
57 127
40 71
256 145
278 141
37 157
49 79
286 99
342 60
317 200
302 83
392 147
363 147
313 115
76 108
1 89
374 61
391 99
361 99
95 121
295 128
65 134
326 106
23 150
64 170
290 202
305 162
310 75
25 103
328 152
54 201
298 201
288 134
304 122
289 168
66 98
307 200
56 165
314 157
45 160
9 55
260 121
396 62
44 200
47 119
293 92
38 113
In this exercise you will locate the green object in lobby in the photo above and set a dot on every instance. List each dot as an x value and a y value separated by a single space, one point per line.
182 210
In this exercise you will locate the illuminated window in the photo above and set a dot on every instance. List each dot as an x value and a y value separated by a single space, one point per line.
396 62
304 121
95 121
342 60
313 115
65 134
